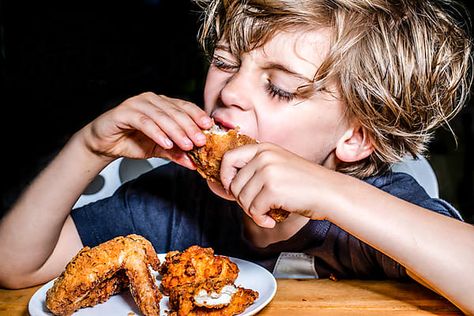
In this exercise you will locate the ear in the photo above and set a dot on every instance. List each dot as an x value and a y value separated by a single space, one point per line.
354 145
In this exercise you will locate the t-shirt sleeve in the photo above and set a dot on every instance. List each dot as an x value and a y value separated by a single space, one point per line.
342 255
133 208
102 220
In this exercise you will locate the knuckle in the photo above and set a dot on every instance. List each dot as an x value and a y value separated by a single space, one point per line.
146 94
268 171
143 119
252 210
266 156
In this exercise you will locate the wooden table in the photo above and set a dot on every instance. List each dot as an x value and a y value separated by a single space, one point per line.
314 297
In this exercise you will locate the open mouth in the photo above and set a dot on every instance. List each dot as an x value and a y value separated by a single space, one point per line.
222 125
216 129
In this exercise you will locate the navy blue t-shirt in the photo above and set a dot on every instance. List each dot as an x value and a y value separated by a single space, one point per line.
173 208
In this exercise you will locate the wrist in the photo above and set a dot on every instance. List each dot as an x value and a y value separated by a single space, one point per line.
85 140
334 196
87 152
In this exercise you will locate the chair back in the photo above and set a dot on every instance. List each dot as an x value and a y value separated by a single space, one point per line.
114 175
421 170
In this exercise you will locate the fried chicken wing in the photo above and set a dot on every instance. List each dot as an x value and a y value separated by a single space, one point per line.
208 157
195 265
210 298
97 273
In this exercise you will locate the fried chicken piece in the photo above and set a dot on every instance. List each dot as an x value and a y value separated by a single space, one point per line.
105 289
210 298
195 265
95 274
208 157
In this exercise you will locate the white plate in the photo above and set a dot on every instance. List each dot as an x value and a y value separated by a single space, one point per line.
251 276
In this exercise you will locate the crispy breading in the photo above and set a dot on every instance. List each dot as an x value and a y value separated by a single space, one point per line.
97 273
208 157
194 266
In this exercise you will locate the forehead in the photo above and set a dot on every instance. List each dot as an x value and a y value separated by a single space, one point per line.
304 51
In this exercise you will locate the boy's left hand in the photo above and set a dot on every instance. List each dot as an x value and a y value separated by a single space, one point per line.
265 176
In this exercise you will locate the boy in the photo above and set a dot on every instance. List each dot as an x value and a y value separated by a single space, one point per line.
333 91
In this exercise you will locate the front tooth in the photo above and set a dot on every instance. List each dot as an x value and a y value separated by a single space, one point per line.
217 129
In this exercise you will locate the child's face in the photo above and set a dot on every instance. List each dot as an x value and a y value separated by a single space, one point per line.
257 93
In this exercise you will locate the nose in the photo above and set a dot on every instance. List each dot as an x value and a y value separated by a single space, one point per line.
238 91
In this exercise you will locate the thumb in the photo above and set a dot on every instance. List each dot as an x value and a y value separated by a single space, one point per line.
233 161
264 221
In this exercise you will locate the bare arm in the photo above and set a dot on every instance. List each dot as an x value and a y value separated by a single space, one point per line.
33 228
436 250
37 236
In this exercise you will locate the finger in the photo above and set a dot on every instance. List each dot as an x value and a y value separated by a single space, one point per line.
195 112
233 161
149 128
188 115
202 119
170 127
217 189
192 130
264 202
172 120
177 155
245 186
184 160
253 201
264 221
146 110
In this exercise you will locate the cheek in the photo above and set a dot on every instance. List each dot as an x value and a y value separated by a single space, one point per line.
209 97
215 81
310 136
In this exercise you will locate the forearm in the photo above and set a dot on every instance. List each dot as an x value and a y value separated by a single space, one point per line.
435 248
30 231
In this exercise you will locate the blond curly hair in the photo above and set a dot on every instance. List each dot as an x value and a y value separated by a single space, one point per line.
403 67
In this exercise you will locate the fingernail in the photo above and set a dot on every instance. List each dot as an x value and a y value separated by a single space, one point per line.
189 161
206 121
168 143
200 137
187 142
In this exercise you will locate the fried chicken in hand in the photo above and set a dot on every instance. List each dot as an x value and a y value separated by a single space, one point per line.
208 157
95 274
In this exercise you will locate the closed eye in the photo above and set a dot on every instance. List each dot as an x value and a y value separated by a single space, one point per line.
276 92
224 64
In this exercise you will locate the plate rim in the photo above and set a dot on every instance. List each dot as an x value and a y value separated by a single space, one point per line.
273 286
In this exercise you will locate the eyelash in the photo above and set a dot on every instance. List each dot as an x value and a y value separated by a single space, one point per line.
272 90
276 92
222 65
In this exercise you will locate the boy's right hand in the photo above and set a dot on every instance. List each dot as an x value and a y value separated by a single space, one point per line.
148 125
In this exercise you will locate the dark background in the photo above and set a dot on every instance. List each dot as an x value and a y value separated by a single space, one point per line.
64 63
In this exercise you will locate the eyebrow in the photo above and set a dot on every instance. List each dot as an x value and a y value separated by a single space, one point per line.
273 65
